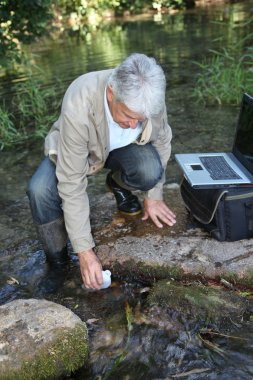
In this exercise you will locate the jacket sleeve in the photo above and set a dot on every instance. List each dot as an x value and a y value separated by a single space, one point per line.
162 143
71 170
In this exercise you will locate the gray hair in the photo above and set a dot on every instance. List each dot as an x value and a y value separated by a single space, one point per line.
139 82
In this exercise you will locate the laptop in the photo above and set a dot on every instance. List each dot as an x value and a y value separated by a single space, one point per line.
209 170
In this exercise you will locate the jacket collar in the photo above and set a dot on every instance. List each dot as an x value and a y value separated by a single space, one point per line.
99 107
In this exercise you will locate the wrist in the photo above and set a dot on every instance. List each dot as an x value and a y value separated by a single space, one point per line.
88 252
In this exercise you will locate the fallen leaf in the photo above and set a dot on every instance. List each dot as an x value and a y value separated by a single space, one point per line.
193 371
227 284
217 333
211 346
92 320
145 290
12 281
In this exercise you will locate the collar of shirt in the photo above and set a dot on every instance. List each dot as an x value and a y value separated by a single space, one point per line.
119 137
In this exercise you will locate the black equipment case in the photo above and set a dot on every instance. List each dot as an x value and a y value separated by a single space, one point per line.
227 213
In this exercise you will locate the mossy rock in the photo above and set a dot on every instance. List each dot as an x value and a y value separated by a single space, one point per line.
198 301
40 340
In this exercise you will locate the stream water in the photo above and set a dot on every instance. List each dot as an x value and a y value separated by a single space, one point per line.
152 352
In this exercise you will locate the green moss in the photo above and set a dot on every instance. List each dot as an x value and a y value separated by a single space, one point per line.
67 353
148 273
197 301
235 279
248 279
230 277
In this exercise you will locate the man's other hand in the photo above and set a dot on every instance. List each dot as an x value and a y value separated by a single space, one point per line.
91 269
158 212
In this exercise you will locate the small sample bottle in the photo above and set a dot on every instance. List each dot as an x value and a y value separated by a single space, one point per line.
106 279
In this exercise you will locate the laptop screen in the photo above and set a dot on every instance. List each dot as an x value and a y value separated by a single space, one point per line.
243 143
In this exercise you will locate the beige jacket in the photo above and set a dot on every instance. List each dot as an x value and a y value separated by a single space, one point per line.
78 143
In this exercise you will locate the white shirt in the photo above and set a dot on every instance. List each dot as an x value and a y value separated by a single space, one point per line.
118 136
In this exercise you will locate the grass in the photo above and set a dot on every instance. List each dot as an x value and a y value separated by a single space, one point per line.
9 135
129 318
225 75
35 105
33 110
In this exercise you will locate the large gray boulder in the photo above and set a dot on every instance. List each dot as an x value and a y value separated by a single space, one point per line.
127 245
40 340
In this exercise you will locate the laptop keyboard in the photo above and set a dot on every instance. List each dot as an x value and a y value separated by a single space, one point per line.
218 168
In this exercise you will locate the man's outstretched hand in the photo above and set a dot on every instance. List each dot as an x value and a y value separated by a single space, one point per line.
158 212
91 269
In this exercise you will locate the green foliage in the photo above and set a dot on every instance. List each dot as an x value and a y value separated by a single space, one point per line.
226 74
130 319
33 102
132 7
84 7
21 22
35 108
8 133
223 78
178 4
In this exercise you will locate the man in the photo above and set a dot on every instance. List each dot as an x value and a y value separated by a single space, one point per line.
114 119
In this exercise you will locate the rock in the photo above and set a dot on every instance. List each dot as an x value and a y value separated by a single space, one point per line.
148 252
198 302
40 340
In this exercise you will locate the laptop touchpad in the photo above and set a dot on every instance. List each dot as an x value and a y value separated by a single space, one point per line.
196 167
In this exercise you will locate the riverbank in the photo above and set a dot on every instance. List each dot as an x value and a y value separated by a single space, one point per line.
135 249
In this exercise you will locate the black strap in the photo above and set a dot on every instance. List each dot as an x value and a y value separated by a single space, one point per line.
202 203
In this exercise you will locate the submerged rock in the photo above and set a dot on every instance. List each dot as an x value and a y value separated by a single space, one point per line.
199 302
40 340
